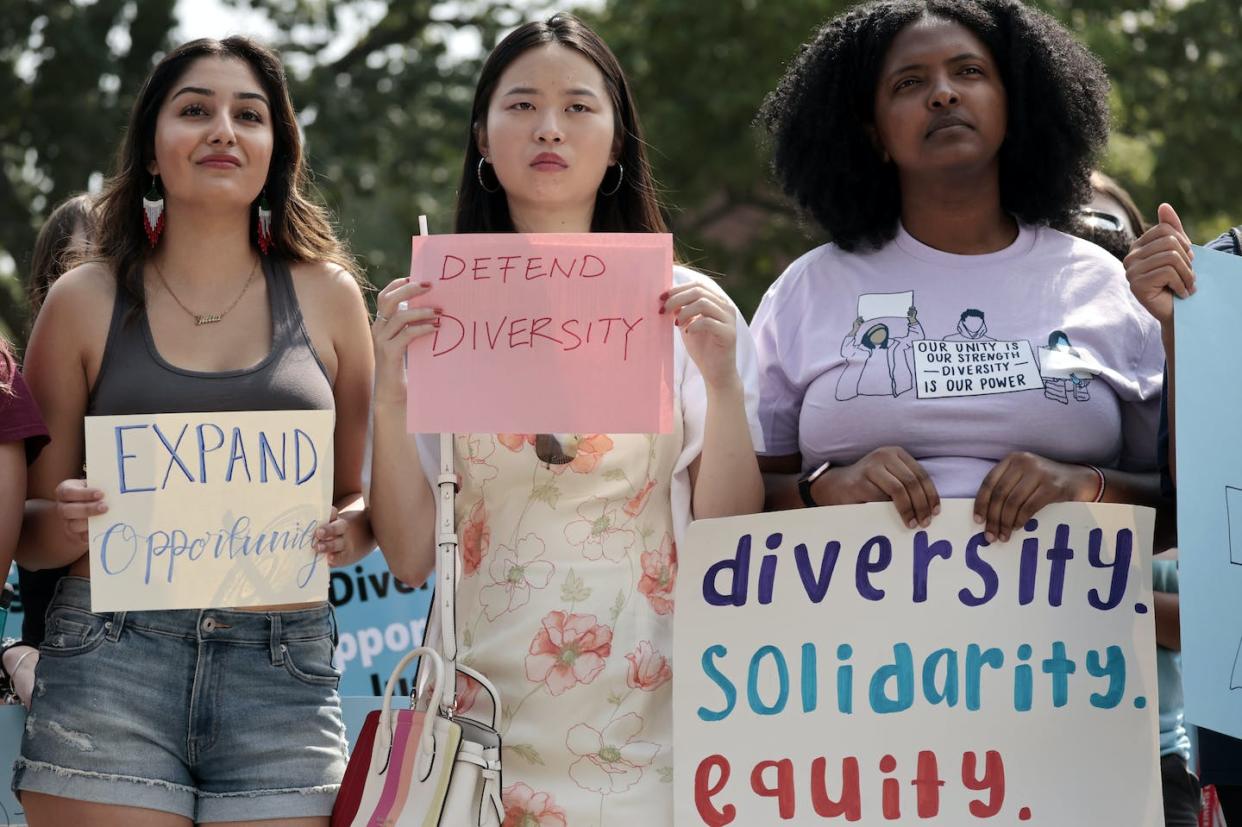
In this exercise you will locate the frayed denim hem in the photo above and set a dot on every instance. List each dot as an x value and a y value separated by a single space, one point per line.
166 796
103 787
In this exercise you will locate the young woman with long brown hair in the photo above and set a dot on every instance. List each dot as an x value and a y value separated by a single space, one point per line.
236 297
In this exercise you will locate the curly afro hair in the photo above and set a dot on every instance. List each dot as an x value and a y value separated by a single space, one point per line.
820 113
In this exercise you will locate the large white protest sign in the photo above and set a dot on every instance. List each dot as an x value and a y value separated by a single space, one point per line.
834 666
209 509
973 368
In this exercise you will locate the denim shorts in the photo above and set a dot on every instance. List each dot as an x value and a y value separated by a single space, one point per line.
214 715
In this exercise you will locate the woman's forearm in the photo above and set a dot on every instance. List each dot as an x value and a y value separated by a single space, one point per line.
1133 488
12 497
727 481
401 502
44 543
1168 620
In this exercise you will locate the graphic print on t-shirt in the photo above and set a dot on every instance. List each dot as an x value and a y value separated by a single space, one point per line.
972 326
969 362
887 353
877 348
1066 370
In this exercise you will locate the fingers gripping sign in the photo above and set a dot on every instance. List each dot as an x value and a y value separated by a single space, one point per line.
397 323
708 325
334 541
1160 266
76 503
887 473
1021 484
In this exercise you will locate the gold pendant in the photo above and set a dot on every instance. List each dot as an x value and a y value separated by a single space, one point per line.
208 318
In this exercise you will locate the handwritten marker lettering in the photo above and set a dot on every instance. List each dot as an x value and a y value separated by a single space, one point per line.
557 332
839 667
212 509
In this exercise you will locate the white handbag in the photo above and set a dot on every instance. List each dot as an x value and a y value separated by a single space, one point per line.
426 765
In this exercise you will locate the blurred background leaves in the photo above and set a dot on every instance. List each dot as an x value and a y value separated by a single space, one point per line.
384 91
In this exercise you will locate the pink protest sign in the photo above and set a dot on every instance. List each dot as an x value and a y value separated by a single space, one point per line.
543 333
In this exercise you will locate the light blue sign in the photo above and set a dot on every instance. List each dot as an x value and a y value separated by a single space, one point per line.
380 619
1209 492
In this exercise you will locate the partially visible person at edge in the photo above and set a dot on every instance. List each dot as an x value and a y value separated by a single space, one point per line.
566 603
167 718
22 436
1112 220
1159 267
904 128
63 241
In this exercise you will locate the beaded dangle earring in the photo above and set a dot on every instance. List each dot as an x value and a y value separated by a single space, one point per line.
153 212
264 229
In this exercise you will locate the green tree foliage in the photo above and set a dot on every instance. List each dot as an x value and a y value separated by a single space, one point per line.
386 121
68 73
701 69
385 110
1177 78
384 117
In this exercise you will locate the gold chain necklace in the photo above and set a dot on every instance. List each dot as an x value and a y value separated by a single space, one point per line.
201 319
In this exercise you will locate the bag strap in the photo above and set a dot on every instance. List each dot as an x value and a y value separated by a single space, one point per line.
426 740
446 568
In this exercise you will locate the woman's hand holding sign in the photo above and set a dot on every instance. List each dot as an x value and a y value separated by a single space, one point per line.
1021 484
395 326
1160 267
887 473
76 503
709 330
338 540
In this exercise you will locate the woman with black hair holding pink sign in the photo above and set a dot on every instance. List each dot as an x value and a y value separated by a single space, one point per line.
569 541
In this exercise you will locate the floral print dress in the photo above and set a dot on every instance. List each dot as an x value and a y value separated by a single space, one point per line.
566 603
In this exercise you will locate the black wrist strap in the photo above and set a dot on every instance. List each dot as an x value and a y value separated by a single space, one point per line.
804 491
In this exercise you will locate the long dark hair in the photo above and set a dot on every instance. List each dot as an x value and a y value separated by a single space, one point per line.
301 230
634 208
53 250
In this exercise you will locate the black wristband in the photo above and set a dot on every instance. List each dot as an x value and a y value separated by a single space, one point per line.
806 481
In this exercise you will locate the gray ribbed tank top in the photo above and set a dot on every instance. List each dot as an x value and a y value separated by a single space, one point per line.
134 379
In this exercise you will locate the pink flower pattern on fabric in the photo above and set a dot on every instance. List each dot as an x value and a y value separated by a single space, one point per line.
475 538
568 650
635 505
610 760
660 576
590 450
515 442
526 808
649 670
514 572
598 533
568 610
479 449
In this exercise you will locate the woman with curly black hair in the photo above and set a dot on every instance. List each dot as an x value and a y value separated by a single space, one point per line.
935 141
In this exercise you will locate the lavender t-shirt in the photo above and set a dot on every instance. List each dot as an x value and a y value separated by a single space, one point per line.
960 360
